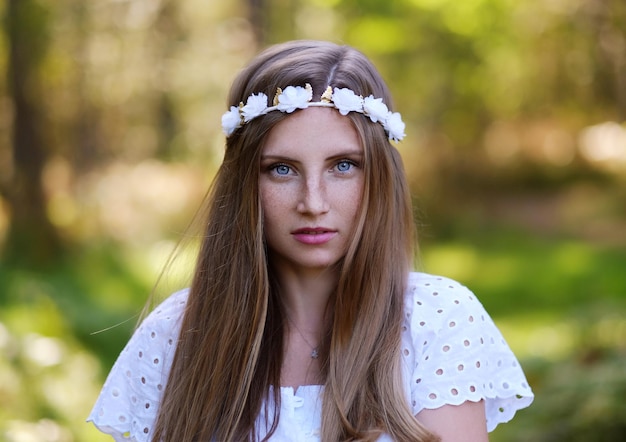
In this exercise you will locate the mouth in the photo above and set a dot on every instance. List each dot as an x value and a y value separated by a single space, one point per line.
312 231
314 235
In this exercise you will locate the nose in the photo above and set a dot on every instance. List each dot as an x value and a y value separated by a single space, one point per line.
314 198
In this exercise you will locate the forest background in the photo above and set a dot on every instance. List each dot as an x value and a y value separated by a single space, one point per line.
516 151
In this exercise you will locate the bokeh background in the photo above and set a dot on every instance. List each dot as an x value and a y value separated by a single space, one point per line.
516 151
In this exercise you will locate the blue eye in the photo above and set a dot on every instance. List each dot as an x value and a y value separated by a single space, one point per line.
281 169
344 166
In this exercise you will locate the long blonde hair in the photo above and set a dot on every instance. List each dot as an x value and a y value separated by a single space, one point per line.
229 353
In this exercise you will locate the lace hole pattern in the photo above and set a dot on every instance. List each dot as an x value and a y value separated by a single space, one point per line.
463 356
128 405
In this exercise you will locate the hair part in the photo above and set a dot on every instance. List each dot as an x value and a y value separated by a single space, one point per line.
229 354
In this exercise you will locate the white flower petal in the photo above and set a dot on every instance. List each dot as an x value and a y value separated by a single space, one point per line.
294 97
231 120
375 109
254 107
347 101
394 126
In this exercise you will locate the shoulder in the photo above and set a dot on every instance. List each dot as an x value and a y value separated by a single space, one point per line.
439 298
159 331
453 352
129 400
440 310
165 318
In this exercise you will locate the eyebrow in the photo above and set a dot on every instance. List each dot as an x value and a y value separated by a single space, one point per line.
348 153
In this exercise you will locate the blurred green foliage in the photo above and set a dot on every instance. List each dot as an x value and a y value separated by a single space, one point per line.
515 273
61 329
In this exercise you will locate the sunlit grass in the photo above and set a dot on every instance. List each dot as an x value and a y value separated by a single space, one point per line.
48 380
512 272
61 328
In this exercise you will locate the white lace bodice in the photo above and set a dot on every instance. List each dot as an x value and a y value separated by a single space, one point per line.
452 352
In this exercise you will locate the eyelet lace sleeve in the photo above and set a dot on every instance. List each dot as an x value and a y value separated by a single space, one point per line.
128 403
455 353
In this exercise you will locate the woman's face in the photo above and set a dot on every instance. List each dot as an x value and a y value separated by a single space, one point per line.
311 184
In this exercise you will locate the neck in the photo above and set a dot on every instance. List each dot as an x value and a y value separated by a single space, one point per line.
305 296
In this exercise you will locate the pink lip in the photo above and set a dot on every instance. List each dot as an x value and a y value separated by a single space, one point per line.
314 235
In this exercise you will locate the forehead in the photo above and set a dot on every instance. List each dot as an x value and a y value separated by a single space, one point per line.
314 129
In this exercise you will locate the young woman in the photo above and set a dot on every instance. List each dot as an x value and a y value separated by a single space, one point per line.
303 321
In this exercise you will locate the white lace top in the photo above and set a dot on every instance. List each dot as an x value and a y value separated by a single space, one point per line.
451 349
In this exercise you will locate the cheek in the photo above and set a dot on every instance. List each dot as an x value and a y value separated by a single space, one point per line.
355 209
266 209
272 203
349 202
356 196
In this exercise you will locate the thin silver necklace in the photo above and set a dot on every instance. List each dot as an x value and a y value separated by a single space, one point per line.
314 350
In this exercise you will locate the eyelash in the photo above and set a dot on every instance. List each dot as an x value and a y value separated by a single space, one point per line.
274 167
350 162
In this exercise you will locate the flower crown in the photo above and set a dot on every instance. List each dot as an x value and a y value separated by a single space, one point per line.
298 97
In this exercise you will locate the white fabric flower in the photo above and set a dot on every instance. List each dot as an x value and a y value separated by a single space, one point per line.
231 120
254 107
297 97
347 101
395 126
375 109
294 97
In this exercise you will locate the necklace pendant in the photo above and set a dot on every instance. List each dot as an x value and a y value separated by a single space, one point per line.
314 354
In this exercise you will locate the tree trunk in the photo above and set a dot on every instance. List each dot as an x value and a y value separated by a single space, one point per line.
32 238
257 14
